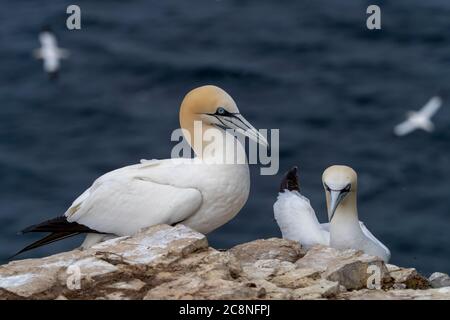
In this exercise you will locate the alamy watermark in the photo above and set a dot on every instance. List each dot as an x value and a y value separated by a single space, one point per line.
374 279
228 146
73 281
373 21
73 22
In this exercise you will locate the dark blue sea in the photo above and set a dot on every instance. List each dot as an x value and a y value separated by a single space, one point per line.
309 68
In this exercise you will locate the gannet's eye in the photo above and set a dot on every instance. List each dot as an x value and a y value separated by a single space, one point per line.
221 111
347 188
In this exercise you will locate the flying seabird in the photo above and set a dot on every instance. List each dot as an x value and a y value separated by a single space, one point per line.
49 52
420 119
298 221
202 193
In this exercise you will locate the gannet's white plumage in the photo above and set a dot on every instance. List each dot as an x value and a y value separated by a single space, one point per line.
49 52
295 216
420 119
298 221
200 193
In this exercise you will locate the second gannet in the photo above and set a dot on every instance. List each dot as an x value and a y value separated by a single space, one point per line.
49 52
346 231
420 119
298 221
199 193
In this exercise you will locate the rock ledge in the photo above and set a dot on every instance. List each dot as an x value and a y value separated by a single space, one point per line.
164 262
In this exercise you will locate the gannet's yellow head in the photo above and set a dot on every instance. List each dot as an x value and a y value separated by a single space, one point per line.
340 183
215 108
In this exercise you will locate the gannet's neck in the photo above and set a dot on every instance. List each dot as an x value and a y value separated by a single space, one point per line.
214 144
345 219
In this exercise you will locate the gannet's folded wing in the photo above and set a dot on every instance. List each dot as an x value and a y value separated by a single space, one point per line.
404 128
369 235
431 107
297 219
123 203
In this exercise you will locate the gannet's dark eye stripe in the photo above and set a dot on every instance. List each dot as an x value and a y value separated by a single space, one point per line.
346 189
222 112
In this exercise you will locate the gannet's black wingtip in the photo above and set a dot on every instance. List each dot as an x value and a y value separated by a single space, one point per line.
290 180
59 228
53 237
59 224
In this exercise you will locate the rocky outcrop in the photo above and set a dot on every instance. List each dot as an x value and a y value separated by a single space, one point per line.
164 262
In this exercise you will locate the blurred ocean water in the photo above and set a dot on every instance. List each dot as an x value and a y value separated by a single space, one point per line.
309 68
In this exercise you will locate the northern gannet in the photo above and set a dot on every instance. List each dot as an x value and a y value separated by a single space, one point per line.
202 193
297 219
346 231
49 52
420 119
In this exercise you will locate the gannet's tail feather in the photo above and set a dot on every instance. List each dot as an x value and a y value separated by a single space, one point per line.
59 224
290 180
53 237
59 229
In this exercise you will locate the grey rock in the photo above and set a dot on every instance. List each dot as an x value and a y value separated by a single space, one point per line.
350 268
439 280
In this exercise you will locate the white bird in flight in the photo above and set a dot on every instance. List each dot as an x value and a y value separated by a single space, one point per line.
420 119
298 221
50 53
202 193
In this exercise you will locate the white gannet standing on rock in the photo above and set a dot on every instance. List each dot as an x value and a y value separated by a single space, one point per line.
297 219
202 193
50 53
420 119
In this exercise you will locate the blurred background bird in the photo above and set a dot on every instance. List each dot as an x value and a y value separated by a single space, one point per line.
420 119
50 53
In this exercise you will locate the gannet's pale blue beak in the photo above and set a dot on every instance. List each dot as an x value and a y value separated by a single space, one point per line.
336 197
249 131
238 123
